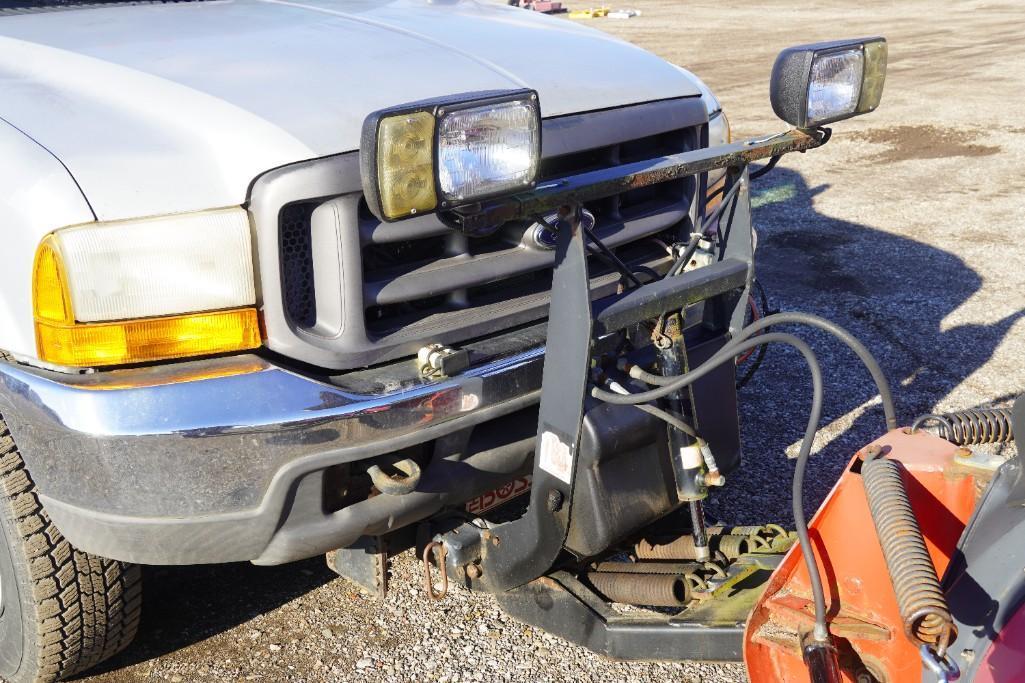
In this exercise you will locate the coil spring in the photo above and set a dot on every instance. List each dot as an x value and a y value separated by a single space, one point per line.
682 548
971 427
658 590
923 607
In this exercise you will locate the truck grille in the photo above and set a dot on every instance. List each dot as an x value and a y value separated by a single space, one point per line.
437 272
422 282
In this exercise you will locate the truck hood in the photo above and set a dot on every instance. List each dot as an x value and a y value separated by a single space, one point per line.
165 108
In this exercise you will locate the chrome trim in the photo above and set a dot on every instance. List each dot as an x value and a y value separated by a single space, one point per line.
119 441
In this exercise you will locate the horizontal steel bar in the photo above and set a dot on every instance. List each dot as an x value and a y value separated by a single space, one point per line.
670 294
585 187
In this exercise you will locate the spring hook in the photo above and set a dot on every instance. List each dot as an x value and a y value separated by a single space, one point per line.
943 666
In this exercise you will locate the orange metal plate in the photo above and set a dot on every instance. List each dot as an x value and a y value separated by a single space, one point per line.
859 594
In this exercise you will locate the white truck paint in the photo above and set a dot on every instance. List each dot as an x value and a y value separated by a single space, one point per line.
158 109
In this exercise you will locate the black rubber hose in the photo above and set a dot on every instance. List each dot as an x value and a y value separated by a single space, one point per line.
688 252
766 168
726 355
609 254
668 385
711 219
668 418
755 363
852 342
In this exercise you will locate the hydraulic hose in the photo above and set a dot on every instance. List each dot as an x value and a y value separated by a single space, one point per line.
725 355
688 252
669 418
871 364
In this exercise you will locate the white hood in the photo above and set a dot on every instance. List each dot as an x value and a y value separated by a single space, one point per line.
173 107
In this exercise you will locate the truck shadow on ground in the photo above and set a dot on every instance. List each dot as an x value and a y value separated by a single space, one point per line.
890 291
185 605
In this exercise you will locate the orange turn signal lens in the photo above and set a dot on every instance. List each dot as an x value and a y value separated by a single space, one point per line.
146 340
51 300
62 340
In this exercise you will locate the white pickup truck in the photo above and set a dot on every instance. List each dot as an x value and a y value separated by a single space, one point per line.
219 344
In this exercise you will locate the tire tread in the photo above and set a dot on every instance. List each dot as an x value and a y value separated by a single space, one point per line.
86 608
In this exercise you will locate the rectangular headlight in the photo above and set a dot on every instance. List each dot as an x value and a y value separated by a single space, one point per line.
825 82
144 290
445 153
487 150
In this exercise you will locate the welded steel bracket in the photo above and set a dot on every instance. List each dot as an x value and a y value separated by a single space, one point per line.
712 630
517 552
364 563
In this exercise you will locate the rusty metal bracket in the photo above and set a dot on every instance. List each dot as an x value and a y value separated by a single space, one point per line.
365 563
586 187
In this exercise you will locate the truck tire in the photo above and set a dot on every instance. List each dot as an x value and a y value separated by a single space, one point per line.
63 610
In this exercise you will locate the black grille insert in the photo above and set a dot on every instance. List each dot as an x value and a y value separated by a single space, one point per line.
296 238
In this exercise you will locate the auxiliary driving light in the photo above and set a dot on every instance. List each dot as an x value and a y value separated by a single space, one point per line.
441 154
825 82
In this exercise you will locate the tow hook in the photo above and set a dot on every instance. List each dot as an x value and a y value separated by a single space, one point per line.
396 485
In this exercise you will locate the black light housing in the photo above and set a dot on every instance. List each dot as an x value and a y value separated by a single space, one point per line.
424 156
820 83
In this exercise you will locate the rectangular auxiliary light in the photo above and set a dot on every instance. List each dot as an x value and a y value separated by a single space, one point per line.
816 84
445 153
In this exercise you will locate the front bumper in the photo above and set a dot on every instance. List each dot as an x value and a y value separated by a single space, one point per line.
201 462
218 460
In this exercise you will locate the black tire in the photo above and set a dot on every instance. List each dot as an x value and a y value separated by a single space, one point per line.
63 610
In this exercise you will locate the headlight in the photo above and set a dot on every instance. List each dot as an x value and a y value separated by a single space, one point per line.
145 290
440 154
718 134
825 82
718 130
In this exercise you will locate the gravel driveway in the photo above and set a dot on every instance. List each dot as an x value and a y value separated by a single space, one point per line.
906 228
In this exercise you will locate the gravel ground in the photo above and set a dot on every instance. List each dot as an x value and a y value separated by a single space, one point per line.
902 229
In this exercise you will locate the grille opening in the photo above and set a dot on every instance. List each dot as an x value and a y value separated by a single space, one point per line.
578 162
518 287
363 212
392 259
297 262
387 318
508 237
654 198
385 262
384 320
653 146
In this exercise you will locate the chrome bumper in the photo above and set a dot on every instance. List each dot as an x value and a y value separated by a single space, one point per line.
195 462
